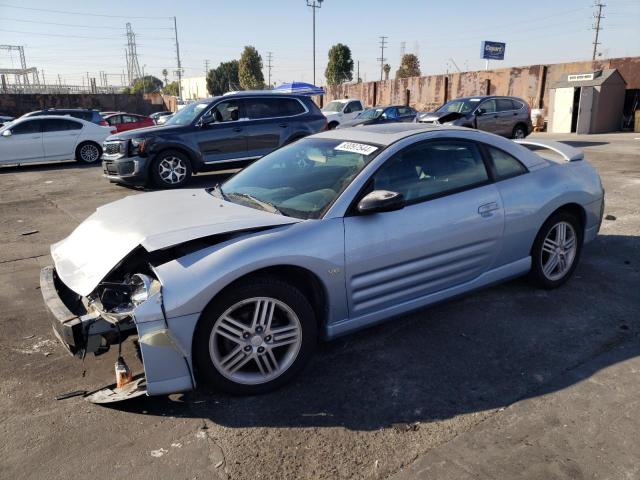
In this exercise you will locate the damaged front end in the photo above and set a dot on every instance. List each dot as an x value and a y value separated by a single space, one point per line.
123 305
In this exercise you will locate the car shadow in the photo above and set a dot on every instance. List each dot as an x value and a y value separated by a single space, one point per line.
479 352
582 143
47 167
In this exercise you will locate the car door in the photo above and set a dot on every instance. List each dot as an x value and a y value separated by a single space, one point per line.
390 115
351 110
268 124
406 114
487 116
221 136
23 144
507 116
449 232
59 138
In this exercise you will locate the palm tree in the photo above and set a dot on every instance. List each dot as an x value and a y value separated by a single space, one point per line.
387 69
164 74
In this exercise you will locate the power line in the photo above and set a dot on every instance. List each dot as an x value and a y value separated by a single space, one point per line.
66 12
598 16
61 35
383 41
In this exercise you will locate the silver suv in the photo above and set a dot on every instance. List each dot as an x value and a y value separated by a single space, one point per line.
506 116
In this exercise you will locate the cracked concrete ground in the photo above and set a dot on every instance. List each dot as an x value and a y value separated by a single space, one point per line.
510 382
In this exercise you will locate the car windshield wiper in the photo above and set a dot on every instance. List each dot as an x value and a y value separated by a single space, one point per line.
266 206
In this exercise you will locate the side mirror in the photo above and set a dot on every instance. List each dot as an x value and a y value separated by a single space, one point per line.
381 201
480 111
7 133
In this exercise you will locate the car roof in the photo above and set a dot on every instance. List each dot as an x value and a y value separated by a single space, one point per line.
55 117
384 134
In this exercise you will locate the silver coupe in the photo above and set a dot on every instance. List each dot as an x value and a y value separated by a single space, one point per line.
235 285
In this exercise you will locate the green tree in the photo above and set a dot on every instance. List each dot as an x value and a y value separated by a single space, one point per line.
386 69
409 66
171 89
224 78
340 66
165 73
146 84
250 69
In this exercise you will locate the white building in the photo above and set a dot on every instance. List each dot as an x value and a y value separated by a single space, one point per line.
194 88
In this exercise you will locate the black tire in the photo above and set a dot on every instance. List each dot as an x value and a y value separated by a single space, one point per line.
537 275
519 131
256 287
332 125
88 152
158 169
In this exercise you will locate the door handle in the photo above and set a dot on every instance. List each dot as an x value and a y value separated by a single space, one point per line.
283 125
237 129
486 209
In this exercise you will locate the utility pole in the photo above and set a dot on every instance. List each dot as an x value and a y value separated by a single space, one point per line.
179 72
314 4
598 16
383 41
358 73
206 68
269 65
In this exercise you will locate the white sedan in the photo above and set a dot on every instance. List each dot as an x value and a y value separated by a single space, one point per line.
51 138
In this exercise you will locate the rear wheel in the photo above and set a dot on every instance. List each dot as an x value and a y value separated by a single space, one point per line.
556 250
519 132
332 125
170 169
88 152
255 337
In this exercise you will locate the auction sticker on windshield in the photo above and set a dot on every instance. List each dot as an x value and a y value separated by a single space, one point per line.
353 147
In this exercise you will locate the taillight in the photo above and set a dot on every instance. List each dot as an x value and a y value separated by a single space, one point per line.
103 123
114 130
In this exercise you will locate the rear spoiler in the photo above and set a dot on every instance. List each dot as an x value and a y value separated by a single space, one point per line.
567 152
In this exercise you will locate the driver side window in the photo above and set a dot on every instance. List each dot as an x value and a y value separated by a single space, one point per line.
432 169
488 106
228 111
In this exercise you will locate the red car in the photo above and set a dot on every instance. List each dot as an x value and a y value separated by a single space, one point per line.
128 121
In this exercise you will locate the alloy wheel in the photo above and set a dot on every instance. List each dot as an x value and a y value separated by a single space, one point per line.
518 134
172 170
89 153
255 340
558 251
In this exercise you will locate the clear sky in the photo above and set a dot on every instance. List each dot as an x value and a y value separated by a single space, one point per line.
89 35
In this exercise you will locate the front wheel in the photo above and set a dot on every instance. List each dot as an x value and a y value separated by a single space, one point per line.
556 251
170 169
254 337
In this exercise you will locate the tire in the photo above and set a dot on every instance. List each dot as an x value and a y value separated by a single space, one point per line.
519 132
170 169
332 125
88 152
542 273
216 338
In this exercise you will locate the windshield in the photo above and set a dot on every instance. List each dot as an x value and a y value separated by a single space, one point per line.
188 114
370 113
300 180
334 107
463 105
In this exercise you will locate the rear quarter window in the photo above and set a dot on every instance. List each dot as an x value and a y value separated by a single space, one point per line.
505 165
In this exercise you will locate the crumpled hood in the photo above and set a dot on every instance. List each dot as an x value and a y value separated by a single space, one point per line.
441 117
154 220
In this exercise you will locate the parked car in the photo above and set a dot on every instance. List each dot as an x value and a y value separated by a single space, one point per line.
128 121
5 119
163 119
390 114
339 111
220 132
506 116
157 115
51 138
81 113
331 234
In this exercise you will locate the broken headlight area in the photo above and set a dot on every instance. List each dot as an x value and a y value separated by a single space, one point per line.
113 304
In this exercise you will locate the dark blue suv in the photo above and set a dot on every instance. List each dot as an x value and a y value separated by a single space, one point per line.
213 134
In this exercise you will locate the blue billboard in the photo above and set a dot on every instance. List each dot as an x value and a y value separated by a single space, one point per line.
492 50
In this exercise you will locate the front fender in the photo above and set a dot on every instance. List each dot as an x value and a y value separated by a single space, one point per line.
190 282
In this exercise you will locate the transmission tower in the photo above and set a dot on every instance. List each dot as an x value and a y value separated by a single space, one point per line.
598 16
133 67
403 50
269 66
383 41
